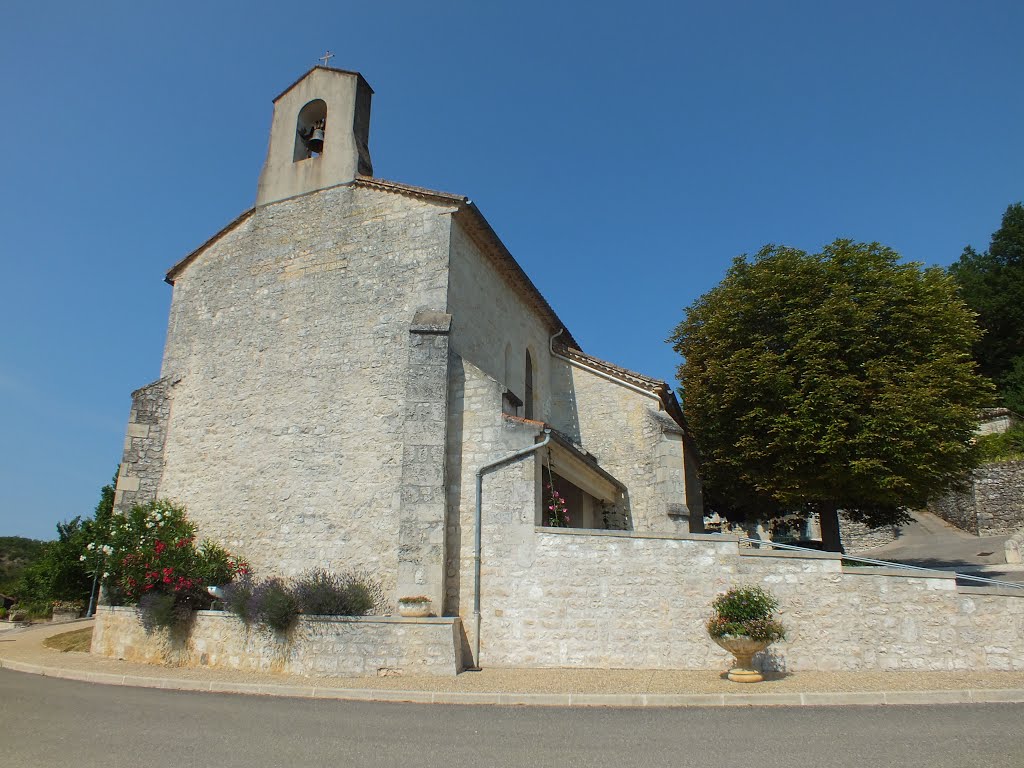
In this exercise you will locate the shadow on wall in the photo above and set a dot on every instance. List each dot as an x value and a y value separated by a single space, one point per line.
453 483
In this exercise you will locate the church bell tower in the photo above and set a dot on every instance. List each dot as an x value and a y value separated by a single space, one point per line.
319 135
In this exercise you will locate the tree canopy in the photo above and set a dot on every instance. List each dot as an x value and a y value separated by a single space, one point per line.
836 380
992 284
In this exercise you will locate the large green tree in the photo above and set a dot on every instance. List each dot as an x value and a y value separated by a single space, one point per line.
992 284
839 380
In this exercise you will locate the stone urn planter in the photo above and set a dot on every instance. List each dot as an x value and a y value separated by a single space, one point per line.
743 648
61 616
414 607
744 623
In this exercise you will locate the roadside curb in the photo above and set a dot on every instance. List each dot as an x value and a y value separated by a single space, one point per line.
818 699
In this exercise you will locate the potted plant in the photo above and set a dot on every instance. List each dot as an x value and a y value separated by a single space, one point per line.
416 606
744 624
67 610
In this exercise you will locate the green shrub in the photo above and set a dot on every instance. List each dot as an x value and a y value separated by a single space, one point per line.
1004 446
163 610
322 593
237 597
746 611
3 613
273 604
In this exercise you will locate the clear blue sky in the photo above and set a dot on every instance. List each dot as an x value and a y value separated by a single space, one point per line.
625 152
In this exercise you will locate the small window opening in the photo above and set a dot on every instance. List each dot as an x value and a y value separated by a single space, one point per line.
528 388
310 130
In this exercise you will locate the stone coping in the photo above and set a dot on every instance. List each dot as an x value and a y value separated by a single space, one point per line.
786 554
386 619
880 570
716 537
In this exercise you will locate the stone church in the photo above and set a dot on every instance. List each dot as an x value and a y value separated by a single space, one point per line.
359 375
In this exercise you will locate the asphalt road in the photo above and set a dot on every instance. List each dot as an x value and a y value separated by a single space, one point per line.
47 722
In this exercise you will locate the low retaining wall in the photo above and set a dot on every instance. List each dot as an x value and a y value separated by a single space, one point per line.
323 646
992 504
570 598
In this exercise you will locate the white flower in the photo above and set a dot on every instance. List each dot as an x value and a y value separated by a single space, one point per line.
158 517
82 557
149 523
105 574
91 546
107 549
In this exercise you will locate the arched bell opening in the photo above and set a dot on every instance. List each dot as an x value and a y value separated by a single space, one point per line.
310 130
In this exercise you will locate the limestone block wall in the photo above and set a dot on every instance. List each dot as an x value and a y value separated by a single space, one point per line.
492 326
993 503
640 446
857 537
557 597
142 463
290 338
478 434
318 646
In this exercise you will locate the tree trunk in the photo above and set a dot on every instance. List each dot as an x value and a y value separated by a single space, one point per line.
828 514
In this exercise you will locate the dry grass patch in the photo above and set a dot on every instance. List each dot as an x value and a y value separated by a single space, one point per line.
79 640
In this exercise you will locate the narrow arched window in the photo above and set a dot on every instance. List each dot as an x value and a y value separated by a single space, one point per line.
528 389
310 130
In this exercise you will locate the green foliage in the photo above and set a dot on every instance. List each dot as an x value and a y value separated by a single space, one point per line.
238 597
152 548
1004 446
16 553
274 604
322 593
992 284
164 610
838 380
746 611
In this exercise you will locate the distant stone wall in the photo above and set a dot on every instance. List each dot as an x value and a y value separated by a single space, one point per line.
142 463
857 537
319 646
993 503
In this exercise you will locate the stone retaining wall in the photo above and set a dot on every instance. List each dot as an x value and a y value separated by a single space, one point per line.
612 599
321 646
992 504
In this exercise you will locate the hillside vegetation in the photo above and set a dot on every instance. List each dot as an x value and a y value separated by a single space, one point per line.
16 552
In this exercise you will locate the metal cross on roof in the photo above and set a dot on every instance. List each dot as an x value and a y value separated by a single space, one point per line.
326 58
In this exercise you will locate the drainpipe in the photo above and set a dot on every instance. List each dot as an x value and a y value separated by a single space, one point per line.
477 521
602 374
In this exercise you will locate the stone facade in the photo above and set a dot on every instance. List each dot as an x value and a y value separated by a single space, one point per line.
142 463
289 342
992 504
318 646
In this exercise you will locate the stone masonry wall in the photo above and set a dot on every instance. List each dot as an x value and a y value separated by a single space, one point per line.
489 318
632 440
478 434
558 597
857 537
290 339
142 463
993 504
319 646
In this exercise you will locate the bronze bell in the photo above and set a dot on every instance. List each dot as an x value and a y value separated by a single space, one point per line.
316 141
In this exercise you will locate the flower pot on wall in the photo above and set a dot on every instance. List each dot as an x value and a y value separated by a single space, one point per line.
414 607
743 648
